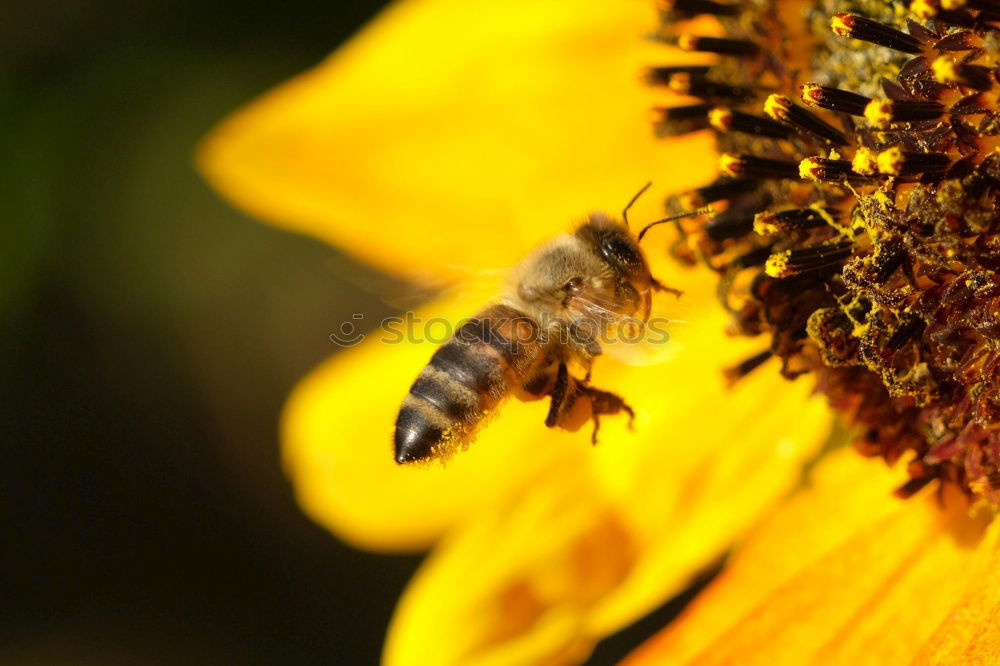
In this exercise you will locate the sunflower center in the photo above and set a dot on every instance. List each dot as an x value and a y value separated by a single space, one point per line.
857 224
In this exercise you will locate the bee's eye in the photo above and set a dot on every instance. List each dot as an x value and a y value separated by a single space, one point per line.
619 252
574 285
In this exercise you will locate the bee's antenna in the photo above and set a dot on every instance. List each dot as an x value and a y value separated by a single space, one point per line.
704 210
634 199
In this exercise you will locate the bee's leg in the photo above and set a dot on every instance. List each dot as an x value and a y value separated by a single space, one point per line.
659 286
606 402
585 342
559 393
537 383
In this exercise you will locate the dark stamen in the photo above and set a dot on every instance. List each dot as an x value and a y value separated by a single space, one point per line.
770 223
805 260
750 166
676 120
834 99
732 223
867 30
695 7
755 257
786 111
747 366
721 189
661 76
729 120
947 70
720 45
825 169
897 162
696 86
913 486
882 113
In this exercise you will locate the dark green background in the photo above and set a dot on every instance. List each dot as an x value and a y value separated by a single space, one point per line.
150 334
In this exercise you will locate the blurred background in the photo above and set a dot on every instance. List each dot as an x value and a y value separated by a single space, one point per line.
150 335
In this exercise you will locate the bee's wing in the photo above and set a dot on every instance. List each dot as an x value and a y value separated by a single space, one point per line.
468 278
478 286
402 295
637 339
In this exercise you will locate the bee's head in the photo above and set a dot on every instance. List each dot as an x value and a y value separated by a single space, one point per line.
615 246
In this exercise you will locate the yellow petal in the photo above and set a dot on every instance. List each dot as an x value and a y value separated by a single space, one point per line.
512 586
844 574
713 460
969 634
601 536
449 134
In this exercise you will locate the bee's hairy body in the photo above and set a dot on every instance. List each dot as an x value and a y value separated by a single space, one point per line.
557 302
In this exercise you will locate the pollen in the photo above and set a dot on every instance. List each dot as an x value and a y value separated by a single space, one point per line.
841 24
891 161
945 70
777 265
879 113
777 106
809 169
864 161
924 9
721 119
860 237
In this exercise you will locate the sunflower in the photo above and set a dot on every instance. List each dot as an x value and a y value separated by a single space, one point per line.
452 135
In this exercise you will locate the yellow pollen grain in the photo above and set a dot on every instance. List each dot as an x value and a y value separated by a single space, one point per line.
824 213
925 9
952 4
729 164
776 106
864 161
891 161
807 168
687 42
879 113
763 224
839 27
720 118
945 70
885 199
811 94
777 264
680 83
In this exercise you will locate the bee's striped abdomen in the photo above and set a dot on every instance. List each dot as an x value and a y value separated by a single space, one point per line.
465 378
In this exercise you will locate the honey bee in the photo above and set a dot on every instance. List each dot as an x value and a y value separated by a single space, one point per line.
557 304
